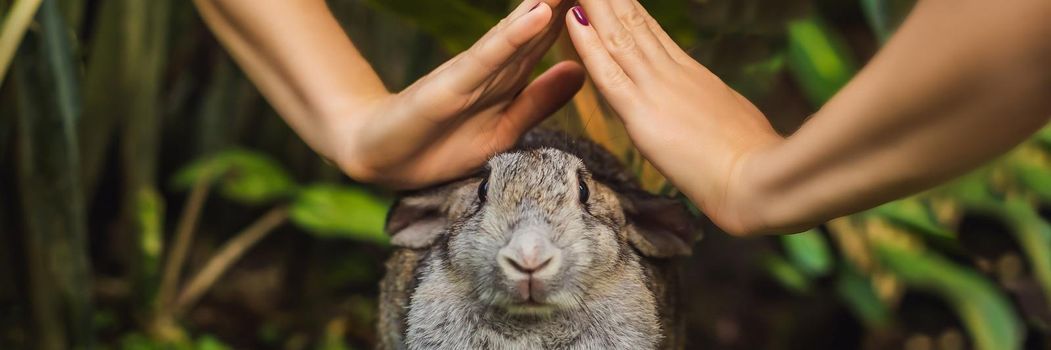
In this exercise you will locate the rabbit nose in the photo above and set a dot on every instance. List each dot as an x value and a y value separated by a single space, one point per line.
529 254
528 264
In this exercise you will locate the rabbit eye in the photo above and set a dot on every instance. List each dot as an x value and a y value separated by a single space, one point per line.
483 190
584 191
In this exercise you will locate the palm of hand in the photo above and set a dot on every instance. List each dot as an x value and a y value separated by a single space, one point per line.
452 120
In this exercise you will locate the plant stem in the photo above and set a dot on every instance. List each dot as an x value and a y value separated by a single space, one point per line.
14 28
230 253
191 213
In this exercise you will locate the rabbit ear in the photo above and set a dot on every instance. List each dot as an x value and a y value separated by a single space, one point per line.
660 227
416 221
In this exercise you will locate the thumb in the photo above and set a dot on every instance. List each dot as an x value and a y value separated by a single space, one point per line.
542 97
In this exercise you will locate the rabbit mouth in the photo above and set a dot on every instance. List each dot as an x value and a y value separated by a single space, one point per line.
530 307
530 290
537 298
528 296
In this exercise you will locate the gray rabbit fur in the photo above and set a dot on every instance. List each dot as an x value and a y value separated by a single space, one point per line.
553 246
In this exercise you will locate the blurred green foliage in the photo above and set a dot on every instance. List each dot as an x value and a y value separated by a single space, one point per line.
326 210
986 313
818 58
137 341
458 27
809 251
243 176
341 212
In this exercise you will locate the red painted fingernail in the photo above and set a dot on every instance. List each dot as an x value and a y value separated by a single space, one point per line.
578 13
534 7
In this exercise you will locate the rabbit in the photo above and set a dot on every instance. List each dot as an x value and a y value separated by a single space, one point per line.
553 245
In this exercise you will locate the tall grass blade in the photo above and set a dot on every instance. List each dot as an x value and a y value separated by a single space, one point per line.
52 200
107 90
14 28
884 16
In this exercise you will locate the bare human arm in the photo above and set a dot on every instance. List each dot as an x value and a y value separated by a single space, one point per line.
959 83
443 126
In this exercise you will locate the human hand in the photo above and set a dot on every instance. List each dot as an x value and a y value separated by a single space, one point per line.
693 127
452 120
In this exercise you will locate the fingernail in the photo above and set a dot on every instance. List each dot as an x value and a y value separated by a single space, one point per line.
578 13
534 7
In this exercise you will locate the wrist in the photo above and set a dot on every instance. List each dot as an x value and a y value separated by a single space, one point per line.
765 196
347 129
744 206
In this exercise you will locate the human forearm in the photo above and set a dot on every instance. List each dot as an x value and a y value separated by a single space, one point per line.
962 82
929 107
441 127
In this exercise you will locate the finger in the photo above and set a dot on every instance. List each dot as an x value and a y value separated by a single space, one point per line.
670 46
617 40
543 97
492 53
529 5
523 8
530 53
525 60
633 17
540 45
607 74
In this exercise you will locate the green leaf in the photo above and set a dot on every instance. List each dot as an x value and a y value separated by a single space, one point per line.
818 58
149 220
809 252
1035 179
136 341
1034 236
1032 173
458 27
884 16
208 342
859 295
913 215
787 274
878 16
341 212
985 312
244 176
972 189
757 79
674 18
139 341
1043 137
333 342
